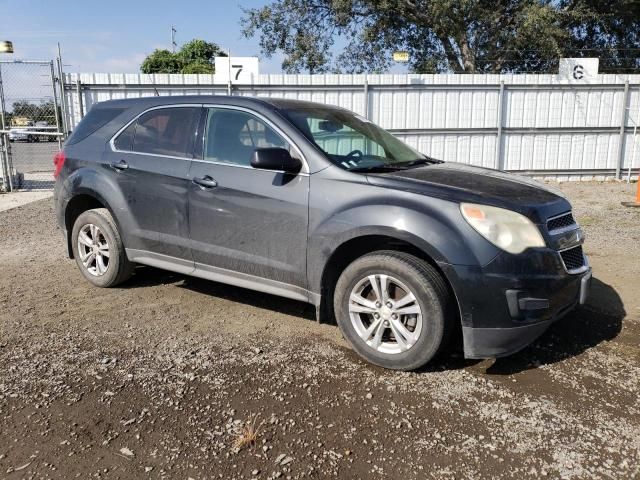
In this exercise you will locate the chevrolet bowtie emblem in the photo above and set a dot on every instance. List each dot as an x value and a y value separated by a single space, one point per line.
571 239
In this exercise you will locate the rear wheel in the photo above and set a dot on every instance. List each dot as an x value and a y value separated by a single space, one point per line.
394 309
98 249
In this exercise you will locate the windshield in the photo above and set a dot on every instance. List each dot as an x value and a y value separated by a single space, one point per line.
353 142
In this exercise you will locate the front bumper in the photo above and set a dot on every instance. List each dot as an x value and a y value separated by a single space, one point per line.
502 313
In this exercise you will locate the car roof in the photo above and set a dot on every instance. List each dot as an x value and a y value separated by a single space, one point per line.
277 103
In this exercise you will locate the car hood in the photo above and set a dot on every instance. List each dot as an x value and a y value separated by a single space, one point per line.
465 183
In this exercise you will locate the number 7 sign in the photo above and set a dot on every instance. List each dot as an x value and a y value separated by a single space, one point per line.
236 69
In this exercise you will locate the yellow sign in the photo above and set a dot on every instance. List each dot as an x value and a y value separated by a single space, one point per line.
401 57
21 122
6 46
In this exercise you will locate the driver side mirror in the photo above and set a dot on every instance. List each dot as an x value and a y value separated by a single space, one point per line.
275 159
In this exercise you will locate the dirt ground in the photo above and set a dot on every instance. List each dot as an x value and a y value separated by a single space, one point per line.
157 378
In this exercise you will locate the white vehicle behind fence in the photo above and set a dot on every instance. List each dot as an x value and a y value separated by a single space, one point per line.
21 135
32 134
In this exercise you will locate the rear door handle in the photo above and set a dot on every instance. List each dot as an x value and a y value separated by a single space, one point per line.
119 166
205 182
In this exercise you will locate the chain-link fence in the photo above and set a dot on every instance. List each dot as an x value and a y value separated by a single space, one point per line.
30 124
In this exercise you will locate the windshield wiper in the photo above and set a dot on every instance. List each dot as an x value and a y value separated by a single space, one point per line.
391 167
382 168
421 161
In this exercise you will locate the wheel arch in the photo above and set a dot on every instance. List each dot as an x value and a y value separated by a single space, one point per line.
356 247
79 203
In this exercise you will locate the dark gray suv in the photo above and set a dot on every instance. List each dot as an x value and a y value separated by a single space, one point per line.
318 204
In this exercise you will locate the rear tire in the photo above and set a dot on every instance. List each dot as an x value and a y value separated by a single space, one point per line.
402 328
98 249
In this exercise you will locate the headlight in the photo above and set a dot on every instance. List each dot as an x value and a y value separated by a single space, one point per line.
507 230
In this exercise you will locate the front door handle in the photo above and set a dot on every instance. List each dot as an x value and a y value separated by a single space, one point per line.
205 182
119 166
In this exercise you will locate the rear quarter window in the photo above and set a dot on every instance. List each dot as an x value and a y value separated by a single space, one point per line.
124 141
94 120
168 131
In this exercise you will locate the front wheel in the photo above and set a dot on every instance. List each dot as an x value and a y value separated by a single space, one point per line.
98 249
394 309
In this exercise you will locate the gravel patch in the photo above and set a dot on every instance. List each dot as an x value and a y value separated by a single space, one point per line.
161 378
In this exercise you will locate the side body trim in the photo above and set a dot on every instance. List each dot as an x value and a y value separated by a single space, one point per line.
165 262
222 275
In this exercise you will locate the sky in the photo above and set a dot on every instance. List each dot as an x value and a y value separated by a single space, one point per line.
116 35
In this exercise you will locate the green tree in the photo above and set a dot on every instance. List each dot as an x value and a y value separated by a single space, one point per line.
609 29
200 51
196 56
462 36
199 66
42 112
162 61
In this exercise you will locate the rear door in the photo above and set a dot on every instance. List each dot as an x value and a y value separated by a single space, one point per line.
152 158
245 220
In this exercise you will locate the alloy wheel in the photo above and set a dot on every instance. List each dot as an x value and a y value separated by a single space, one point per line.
93 250
385 313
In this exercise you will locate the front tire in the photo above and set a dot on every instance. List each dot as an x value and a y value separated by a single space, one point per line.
393 308
98 249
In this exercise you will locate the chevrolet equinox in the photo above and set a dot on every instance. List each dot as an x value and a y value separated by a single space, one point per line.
316 203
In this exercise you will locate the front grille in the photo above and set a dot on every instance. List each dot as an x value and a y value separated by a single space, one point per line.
562 221
573 258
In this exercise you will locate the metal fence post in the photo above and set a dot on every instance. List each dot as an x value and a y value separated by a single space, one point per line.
3 169
499 150
63 103
80 99
366 98
5 163
59 112
623 124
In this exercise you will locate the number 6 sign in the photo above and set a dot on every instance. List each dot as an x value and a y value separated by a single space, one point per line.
578 70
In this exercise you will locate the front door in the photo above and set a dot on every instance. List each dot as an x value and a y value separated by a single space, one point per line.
152 157
246 223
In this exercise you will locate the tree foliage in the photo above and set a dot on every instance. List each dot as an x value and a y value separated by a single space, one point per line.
162 61
446 35
36 112
32 112
196 56
609 29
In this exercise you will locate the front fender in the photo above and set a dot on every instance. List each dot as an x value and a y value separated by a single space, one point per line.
435 226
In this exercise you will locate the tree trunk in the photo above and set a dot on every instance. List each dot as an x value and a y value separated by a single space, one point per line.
452 57
468 57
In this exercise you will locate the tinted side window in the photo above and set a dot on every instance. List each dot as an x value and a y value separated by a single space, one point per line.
166 131
96 118
124 141
232 136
